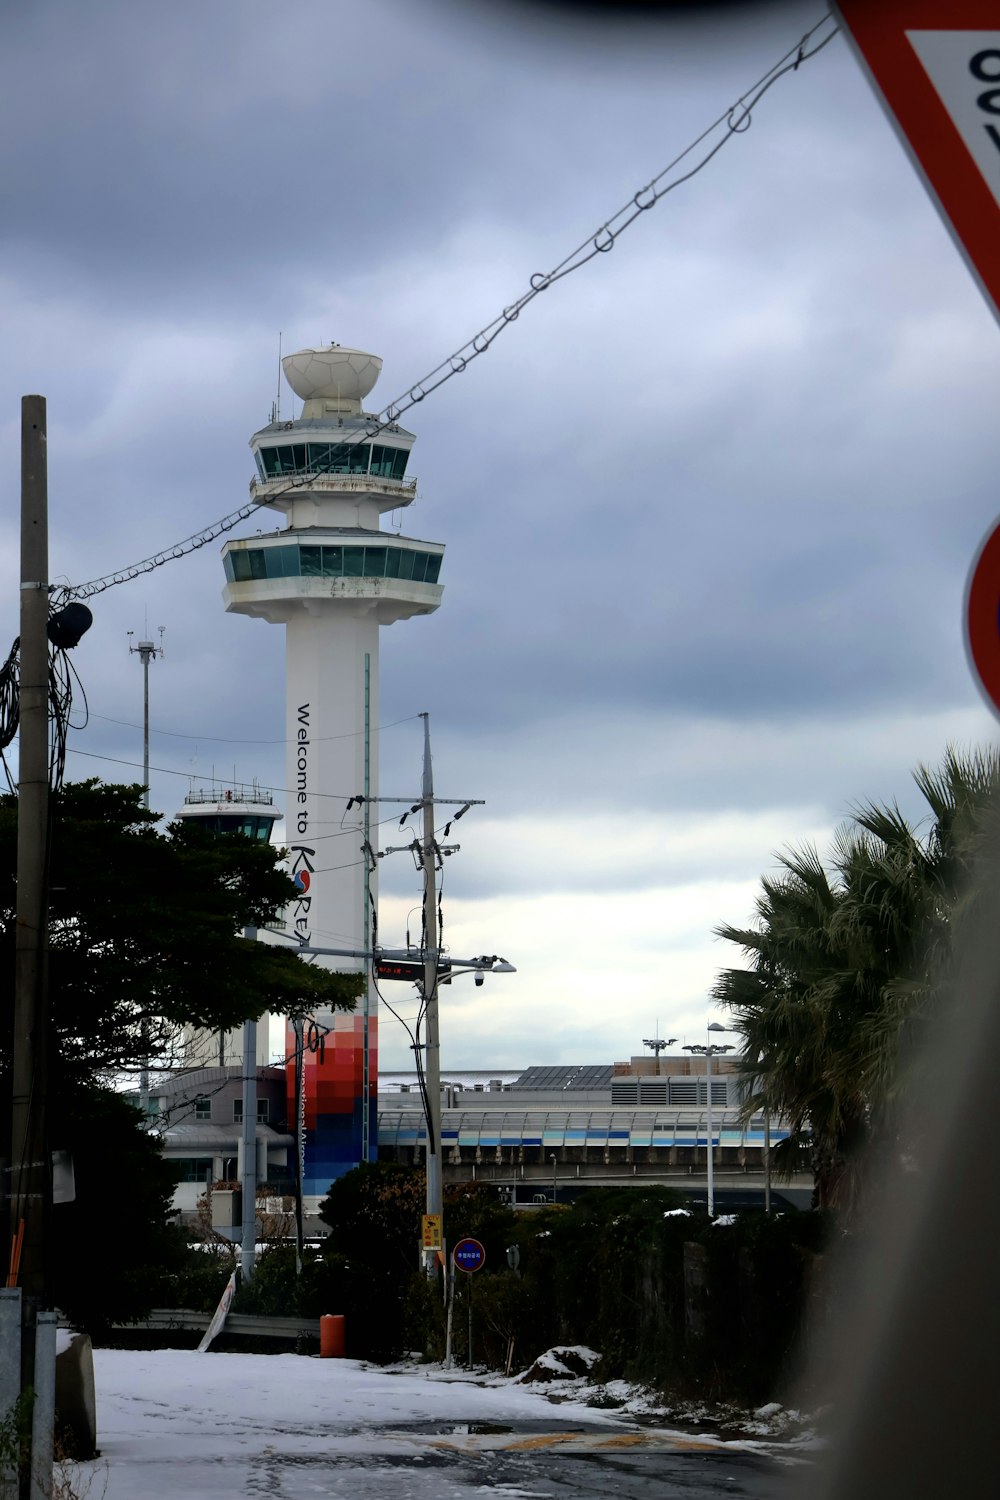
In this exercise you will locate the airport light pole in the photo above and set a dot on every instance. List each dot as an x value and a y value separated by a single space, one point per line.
657 1045
708 1051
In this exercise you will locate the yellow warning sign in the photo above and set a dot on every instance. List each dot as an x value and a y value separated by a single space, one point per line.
433 1228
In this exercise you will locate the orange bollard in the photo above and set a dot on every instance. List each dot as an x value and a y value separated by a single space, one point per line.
331 1336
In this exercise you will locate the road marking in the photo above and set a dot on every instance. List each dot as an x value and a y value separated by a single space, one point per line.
576 1442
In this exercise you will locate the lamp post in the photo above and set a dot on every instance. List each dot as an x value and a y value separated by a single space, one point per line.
555 1167
709 1051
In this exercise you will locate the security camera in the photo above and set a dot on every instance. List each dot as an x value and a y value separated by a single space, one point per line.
480 977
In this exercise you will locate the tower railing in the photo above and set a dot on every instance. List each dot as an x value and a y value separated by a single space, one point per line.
326 479
229 796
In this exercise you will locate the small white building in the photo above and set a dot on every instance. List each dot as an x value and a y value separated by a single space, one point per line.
198 1116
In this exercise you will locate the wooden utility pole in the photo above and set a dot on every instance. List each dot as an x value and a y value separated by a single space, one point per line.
30 1193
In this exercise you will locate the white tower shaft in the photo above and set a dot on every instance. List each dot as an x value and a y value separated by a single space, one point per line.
331 690
332 577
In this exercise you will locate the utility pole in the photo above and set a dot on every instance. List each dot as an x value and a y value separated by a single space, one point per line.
30 1191
427 851
432 1067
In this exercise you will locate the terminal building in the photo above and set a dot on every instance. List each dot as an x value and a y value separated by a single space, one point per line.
551 1131
536 1134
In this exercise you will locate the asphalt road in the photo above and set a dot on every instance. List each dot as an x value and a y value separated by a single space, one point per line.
557 1464
174 1425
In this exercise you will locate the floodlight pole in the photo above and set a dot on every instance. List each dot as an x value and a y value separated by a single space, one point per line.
146 651
658 1044
708 1052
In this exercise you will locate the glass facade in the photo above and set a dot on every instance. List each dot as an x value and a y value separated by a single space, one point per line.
250 825
331 560
332 458
238 1111
564 1128
192 1168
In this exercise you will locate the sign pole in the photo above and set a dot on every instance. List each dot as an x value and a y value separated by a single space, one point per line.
470 1323
449 1276
469 1256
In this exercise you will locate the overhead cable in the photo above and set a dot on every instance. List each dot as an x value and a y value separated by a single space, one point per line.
735 120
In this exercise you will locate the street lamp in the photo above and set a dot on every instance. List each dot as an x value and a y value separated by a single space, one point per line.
555 1167
709 1051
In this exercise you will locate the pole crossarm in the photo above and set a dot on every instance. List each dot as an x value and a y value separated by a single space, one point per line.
437 801
484 962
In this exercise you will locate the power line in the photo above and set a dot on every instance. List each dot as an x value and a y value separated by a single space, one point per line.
735 120
282 791
218 739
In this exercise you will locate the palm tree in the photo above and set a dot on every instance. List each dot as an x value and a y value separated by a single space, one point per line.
842 965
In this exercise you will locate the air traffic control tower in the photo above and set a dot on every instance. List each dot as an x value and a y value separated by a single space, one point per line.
332 577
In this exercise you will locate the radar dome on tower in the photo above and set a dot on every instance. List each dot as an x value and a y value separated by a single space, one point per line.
333 377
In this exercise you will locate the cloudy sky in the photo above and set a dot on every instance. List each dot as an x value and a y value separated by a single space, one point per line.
709 504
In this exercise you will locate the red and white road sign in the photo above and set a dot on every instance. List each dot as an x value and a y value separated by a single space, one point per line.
982 618
935 65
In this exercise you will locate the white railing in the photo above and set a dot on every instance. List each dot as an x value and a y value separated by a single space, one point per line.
323 478
230 797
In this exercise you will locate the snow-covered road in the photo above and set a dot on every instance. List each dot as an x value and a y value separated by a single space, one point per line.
172 1423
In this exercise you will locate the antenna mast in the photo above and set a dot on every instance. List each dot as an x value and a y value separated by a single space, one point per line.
146 650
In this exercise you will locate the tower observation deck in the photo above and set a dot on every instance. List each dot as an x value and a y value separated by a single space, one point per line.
249 811
332 577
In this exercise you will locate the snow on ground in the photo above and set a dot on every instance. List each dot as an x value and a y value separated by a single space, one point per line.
173 1422
224 1426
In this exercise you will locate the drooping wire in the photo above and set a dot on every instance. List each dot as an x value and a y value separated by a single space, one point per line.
219 739
735 120
412 1032
10 705
63 682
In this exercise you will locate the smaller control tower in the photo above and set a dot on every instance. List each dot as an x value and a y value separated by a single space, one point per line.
252 813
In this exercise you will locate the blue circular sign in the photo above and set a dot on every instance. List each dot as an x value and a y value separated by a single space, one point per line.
469 1255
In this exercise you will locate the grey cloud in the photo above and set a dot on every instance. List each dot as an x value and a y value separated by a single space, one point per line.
708 506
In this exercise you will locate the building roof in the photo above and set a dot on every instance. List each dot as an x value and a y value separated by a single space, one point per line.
202 1135
563 1076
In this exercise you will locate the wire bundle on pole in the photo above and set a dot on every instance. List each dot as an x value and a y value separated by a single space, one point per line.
62 678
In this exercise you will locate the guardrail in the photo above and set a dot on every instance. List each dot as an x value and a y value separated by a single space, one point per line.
238 1323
